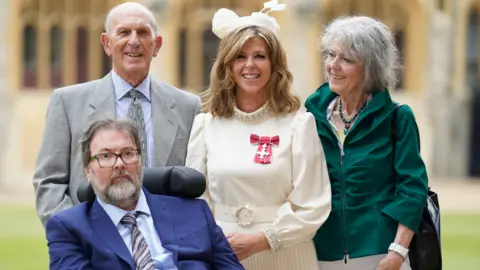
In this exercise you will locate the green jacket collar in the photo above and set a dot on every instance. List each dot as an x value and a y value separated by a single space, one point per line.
318 103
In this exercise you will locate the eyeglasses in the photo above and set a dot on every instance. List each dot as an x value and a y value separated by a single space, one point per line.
108 160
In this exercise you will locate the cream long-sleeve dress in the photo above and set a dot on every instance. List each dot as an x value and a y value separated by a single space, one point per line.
287 199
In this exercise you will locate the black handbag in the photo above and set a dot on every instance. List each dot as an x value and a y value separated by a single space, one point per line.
425 249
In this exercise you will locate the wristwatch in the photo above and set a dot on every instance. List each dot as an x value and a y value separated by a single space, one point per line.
401 250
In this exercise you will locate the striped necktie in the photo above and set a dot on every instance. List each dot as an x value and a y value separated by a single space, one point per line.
135 113
140 250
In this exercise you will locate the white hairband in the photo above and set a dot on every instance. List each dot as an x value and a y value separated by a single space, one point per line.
224 21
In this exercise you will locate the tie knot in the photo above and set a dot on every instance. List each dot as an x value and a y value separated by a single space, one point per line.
134 93
130 219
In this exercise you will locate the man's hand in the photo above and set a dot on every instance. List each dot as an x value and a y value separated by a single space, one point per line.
245 245
392 261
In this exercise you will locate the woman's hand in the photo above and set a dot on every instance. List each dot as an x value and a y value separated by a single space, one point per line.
245 245
392 261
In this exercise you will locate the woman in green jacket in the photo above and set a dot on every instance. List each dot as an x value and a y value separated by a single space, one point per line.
378 179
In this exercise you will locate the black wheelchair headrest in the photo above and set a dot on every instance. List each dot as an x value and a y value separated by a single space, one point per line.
176 181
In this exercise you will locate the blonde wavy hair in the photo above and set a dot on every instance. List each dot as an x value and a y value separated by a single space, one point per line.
219 98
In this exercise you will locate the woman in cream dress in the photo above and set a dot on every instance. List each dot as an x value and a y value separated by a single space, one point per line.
268 184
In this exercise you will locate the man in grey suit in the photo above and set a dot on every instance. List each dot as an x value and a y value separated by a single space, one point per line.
163 113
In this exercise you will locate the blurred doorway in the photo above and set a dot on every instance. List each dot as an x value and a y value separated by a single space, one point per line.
197 45
473 82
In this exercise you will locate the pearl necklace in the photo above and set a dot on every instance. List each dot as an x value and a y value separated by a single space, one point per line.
261 114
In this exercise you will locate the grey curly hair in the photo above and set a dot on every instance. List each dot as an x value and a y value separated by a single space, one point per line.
372 43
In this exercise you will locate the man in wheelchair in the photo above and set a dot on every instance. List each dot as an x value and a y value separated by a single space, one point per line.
134 218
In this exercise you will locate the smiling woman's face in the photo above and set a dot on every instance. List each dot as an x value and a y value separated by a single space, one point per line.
252 68
345 72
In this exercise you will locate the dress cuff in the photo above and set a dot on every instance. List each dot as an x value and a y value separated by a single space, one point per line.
273 239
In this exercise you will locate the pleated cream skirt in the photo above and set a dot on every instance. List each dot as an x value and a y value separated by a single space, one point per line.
300 257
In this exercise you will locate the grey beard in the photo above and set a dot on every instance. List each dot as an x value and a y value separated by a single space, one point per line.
123 195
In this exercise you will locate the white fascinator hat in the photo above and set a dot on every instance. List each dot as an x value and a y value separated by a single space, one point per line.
224 21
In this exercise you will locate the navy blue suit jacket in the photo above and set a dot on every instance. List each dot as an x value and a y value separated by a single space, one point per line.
84 237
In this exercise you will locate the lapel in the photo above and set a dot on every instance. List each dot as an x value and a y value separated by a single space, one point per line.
318 107
108 233
102 100
165 124
379 101
161 219
324 96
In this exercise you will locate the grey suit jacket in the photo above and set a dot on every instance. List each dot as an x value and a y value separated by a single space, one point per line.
59 168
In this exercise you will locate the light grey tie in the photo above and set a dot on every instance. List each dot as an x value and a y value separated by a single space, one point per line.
140 251
135 113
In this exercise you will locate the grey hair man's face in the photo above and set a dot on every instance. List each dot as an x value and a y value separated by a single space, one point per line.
131 42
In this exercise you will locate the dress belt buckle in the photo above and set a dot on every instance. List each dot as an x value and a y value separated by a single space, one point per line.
244 216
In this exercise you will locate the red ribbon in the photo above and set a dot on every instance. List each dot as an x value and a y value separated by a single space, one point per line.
264 149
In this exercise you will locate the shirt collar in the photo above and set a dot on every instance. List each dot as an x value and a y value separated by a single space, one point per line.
330 108
116 214
122 87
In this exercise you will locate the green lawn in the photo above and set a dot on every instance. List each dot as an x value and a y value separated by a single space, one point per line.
461 241
23 245
22 240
